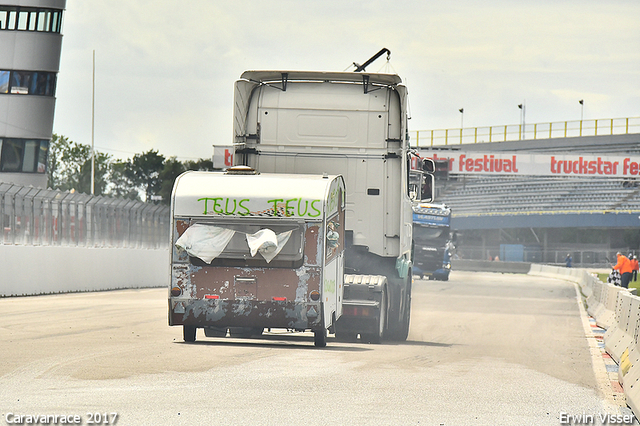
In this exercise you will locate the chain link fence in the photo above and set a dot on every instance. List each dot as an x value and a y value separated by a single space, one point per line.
35 216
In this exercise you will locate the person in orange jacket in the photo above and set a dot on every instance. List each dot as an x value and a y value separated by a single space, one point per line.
635 266
625 269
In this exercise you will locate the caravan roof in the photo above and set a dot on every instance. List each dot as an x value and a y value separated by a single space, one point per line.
222 194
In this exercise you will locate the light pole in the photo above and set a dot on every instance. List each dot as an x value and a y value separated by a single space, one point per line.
461 122
581 102
93 107
523 109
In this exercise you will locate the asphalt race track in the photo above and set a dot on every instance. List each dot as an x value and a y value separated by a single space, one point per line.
483 349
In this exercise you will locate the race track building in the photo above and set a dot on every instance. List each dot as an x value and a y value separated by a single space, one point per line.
538 200
30 47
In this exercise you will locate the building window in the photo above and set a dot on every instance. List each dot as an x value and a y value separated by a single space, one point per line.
20 82
30 19
4 81
23 155
11 155
40 83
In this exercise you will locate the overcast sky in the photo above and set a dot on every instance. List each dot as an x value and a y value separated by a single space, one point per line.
165 69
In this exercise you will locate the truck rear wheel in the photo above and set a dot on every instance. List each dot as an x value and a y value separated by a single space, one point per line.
399 330
189 333
406 318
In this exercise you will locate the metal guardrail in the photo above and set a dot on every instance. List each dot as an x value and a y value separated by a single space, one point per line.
561 129
35 216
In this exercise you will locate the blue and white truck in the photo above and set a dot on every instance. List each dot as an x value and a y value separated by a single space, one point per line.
432 238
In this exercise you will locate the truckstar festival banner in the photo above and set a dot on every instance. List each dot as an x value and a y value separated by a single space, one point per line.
515 163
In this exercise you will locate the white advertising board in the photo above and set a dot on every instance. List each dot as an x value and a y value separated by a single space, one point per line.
222 156
517 163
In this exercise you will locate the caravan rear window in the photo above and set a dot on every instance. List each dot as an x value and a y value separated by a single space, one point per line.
235 243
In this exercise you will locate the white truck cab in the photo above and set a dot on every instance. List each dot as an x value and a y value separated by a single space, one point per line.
353 124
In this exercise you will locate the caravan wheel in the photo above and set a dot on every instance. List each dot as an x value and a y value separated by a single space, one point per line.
189 333
320 338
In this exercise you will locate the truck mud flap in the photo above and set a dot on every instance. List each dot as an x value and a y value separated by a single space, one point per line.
364 308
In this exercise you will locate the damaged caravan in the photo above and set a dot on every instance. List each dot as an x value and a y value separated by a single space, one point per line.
256 251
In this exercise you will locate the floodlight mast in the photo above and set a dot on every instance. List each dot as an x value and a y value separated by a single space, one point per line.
373 58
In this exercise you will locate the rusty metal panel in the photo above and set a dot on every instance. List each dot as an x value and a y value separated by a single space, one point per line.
248 296
247 313
250 283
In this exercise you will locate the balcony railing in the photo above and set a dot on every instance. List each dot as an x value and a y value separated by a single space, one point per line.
515 132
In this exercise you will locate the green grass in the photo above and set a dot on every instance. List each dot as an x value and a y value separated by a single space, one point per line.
603 277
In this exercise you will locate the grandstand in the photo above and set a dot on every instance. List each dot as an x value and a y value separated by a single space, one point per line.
551 195
544 217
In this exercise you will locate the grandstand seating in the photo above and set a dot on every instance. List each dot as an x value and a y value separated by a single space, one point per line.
471 195
528 210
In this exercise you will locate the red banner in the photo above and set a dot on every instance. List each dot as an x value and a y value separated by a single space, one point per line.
516 163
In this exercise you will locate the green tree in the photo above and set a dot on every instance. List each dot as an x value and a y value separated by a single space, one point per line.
101 174
145 172
171 170
203 164
121 180
69 167
54 167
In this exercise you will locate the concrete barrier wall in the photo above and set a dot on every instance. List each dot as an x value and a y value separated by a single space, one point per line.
32 270
621 334
618 311
490 266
